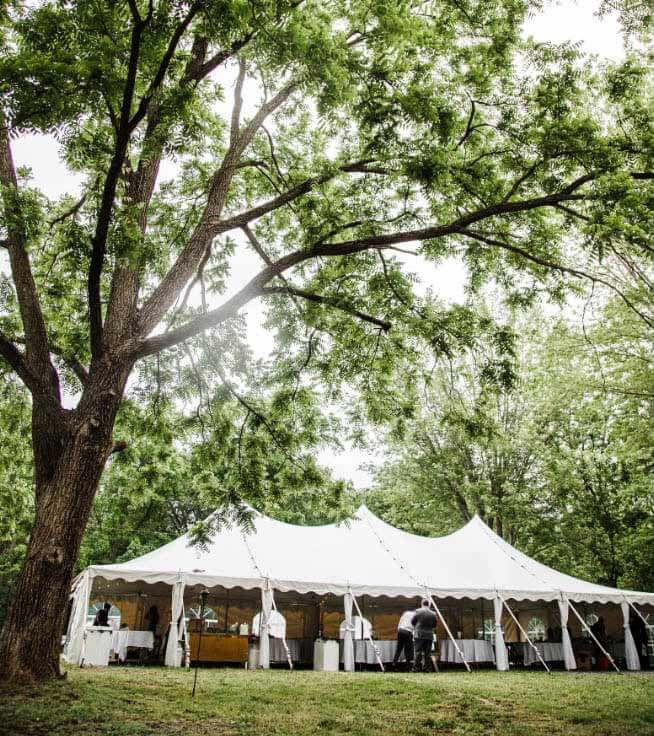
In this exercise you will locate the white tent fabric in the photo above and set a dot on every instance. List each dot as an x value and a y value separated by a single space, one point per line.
630 651
366 556
501 656
176 631
361 627
568 654
348 642
264 638
276 625
74 648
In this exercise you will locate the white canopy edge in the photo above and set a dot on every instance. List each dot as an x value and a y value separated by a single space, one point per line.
389 548
376 591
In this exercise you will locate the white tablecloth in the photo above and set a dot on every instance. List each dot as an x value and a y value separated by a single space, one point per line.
124 638
301 650
550 651
365 654
474 650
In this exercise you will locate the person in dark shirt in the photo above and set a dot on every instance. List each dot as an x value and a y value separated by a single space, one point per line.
152 617
424 623
639 632
102 616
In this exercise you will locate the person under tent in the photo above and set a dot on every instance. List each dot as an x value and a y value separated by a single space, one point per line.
102 616
404 639
424 623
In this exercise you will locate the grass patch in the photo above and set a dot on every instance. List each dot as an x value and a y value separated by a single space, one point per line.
138 701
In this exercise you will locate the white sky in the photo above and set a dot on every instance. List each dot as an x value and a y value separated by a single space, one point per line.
560 22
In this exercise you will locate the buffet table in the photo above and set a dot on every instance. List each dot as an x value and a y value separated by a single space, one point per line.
550 651
474 650
124 638
301 650
364 652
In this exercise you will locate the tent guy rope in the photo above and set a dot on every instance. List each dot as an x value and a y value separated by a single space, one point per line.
524 633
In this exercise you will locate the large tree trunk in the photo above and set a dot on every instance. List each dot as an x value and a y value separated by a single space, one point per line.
69 460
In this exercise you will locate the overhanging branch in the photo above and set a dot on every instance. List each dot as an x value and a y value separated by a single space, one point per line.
328 301
256 286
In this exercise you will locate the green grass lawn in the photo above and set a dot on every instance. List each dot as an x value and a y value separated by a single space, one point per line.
139 700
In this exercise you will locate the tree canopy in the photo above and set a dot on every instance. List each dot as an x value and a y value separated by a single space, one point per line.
322 138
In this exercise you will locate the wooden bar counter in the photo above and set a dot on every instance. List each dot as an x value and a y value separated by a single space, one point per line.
217 646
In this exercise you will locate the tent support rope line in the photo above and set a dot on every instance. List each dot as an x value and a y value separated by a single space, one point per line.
639 614
405 568
524 633
449 633
369 636
595 639
272 597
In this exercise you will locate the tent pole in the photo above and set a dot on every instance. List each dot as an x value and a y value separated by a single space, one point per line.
585 626
524 633
286 649
449 633
369 637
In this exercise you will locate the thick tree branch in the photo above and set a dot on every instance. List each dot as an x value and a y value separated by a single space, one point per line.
71 361
162 70
99 242
187 262
238 102
243 218
221 57
255 286
37 355
17 361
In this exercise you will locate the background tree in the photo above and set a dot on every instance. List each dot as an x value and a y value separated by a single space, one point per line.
557 453
371 126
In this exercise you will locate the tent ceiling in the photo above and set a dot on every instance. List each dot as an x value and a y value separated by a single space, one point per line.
367 555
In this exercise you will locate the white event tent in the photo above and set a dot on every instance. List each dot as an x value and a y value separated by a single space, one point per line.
361 555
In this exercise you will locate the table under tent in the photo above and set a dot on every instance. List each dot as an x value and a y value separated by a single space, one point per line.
317 595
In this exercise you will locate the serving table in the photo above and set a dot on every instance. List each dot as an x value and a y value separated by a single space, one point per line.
124 638
474 650
364 652
550 651
97 645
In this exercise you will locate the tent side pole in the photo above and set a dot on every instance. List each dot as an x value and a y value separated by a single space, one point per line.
524 633
587 628
286 649
369 637
449 633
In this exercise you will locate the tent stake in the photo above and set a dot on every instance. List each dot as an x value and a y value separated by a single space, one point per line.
585 625
449 633
533 646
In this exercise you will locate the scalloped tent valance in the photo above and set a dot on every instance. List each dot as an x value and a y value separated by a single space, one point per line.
367 556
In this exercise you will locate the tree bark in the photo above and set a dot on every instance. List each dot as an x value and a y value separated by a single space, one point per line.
67 472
